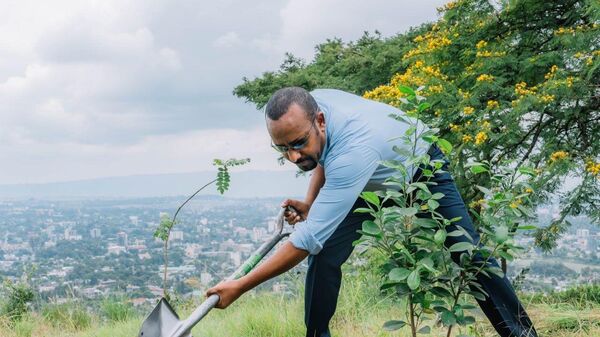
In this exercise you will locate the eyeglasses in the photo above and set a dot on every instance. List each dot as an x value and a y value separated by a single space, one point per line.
297 145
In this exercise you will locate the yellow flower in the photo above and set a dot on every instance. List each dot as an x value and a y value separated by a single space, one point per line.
418 64
448 6
528 190
464 94
569 81
589 61
475 203
485 125
454 127
433 71
552 71
481 44
593 168
435 89
480 138
521 89
467 138
491 104
468 123
547 98
558 155
468 110
485 78
563 30
419 38
516 203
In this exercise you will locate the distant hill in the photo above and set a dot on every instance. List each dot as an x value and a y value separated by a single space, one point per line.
243 185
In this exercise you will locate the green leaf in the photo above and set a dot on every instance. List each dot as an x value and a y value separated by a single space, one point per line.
432 204
476 169
424 330
425 222
407 211
363 210
485 190
527 170
398 274
423 106
455 233
437 196
460 247
414 279
527 227
421 186
370 227
448 318
370 197
440 236
393 325
501 234
444 145
406 90
441 292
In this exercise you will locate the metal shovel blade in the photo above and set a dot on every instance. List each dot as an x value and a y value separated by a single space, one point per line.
163 321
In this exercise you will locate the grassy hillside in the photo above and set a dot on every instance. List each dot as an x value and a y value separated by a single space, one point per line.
361 312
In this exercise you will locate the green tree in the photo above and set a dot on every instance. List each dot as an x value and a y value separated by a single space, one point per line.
510 83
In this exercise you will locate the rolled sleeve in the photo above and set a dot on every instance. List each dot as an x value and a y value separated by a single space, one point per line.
302 238
345 178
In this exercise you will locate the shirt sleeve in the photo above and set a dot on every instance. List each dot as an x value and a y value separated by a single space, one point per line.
345 178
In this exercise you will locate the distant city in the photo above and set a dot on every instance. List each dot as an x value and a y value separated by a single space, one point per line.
95 248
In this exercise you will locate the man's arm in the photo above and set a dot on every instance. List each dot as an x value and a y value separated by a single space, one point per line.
317 181
284 259
346 178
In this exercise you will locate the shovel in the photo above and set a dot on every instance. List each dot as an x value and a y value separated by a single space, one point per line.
163 321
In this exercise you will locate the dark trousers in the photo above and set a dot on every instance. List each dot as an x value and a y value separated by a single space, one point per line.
324 275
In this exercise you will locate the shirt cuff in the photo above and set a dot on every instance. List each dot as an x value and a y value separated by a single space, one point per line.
301 238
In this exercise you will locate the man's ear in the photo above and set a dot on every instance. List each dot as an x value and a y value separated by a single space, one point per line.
320 119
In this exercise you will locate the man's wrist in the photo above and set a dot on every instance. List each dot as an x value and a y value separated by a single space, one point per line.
244 283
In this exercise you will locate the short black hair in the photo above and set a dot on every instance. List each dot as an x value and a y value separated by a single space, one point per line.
282 99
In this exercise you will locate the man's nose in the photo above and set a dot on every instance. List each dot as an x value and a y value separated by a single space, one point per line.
293 155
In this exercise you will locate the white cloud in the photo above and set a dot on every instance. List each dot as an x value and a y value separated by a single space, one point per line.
114 87
308 22
228 40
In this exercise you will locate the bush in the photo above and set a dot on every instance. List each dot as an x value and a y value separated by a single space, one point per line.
116 310
579 297
19 296
71 316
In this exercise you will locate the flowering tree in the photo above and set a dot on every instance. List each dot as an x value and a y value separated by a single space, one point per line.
510 83
517 83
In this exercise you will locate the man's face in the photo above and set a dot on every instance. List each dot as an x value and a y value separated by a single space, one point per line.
303 138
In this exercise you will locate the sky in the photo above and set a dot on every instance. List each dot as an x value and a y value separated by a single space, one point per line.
92 89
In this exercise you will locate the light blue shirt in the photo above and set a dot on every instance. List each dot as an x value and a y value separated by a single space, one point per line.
359 135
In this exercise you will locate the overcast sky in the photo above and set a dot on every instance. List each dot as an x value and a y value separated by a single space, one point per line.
110 88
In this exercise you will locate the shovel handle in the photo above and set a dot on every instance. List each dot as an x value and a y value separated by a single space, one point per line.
244 269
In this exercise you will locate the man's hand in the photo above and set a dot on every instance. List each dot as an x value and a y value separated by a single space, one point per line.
301 213
228 292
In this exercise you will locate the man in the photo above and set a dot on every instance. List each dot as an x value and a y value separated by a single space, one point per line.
342 138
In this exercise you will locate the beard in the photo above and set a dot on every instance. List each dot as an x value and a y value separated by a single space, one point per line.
306 163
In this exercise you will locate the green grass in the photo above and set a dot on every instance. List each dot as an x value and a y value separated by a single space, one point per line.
361 312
